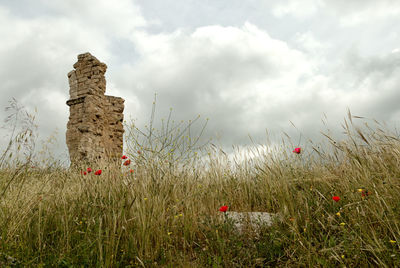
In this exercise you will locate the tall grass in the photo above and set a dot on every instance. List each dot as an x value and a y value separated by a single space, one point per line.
165 212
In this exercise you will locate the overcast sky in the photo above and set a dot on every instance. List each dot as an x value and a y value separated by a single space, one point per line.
248 65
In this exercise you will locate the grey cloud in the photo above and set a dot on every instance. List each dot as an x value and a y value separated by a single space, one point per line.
383 77
199 83
371 84
214 85
364 67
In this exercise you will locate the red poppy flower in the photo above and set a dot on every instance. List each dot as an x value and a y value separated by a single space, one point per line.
124 157
131 171
98 172
336 198
84 173
297 150
127 162
223 208
89 170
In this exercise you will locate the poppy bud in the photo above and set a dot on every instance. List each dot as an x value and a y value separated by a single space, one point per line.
365 193
297 150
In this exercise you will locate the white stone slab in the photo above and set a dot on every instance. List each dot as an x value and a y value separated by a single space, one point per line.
254 219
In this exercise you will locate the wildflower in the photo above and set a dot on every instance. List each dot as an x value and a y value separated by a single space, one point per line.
342 224
392 241
336 198
180 215
124 157
98 172
84 173
365 193
338 214
223 208
342 256
297 150
360 190
145 198
169 233
89 170
127 162
131 170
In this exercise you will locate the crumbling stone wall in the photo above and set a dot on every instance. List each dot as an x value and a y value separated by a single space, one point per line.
94 129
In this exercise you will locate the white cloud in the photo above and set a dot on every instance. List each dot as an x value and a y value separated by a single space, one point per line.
296 8
118 18
356 12
349 13
368 15
309 43
240 77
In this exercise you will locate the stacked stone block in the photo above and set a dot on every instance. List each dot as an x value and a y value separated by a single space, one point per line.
94 130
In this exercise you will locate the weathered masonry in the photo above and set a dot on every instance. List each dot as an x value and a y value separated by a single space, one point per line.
94 130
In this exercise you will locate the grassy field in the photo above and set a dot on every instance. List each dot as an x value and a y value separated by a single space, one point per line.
164 211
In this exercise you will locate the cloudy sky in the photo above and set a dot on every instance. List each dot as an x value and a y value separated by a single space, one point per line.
248 65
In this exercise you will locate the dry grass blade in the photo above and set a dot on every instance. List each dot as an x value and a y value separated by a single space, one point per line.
362 136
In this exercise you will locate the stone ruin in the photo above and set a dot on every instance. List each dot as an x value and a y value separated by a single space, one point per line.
94 130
